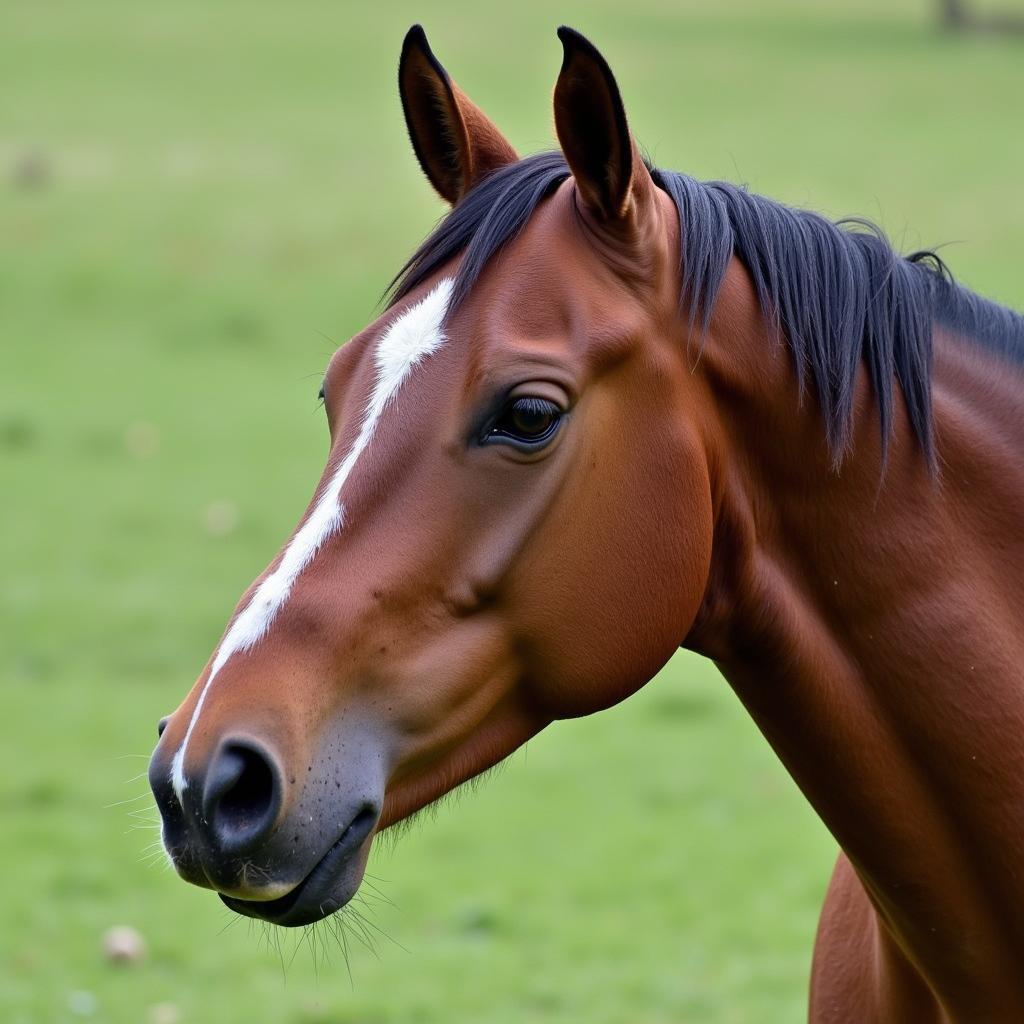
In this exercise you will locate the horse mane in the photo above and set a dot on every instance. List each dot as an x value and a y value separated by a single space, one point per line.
837 293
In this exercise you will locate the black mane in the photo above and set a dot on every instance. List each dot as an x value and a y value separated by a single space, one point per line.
838 293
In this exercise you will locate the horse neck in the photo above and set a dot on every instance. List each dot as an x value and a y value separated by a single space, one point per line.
870 621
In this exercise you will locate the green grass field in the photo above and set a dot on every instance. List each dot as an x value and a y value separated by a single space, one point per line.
198 202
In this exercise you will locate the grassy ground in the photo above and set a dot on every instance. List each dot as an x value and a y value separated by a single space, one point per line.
198 201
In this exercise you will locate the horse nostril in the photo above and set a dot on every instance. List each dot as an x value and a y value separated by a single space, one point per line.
161 725
241 796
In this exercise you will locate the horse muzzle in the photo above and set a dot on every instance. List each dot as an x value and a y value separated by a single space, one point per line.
284 843
327 888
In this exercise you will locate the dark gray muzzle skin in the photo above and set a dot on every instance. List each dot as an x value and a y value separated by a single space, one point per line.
250 823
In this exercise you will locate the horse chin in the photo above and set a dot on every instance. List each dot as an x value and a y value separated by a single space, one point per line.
327 888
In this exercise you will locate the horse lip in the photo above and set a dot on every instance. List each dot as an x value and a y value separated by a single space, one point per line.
312 899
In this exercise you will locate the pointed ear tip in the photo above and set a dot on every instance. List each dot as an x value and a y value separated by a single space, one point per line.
415 37
415 50
569 38
576 43
573 41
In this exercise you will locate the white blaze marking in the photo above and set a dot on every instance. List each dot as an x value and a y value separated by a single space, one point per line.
415 334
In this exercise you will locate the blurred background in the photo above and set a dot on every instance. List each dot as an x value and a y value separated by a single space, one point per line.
198 202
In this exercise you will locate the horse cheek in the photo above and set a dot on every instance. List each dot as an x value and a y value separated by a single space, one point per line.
623 580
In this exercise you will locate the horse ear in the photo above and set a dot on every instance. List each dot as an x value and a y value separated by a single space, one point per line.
591 124
455 142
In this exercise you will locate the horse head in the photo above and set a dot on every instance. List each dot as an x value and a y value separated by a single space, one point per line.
514 524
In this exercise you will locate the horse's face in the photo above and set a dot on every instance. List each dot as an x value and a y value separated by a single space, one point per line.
487 550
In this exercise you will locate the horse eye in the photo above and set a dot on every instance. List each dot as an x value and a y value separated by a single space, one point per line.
321 395
526 421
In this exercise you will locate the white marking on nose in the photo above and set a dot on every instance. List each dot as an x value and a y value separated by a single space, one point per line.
414 335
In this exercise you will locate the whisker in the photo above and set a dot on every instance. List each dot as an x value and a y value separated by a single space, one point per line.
377 928
232 921
129 800
377 893
354 918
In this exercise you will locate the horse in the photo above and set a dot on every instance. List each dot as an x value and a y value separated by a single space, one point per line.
610 410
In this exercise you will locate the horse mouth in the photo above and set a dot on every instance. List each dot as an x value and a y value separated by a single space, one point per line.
332 882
